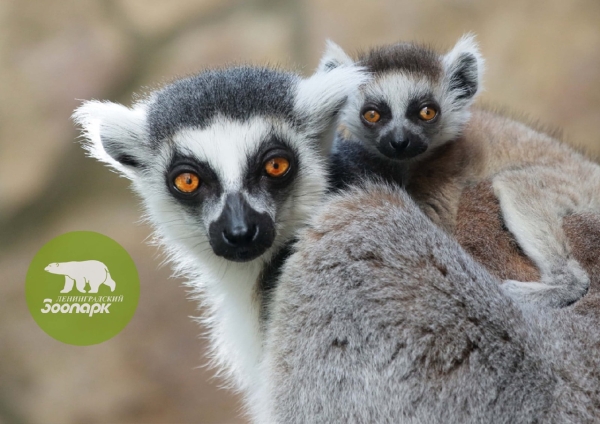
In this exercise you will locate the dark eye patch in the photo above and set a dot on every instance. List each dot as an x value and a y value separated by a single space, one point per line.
381 108
418 103
256 180
209 182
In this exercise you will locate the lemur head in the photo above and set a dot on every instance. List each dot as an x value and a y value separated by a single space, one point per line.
417 99
228 162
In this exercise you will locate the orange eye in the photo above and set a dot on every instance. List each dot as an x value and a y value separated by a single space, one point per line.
277 167
372 116
427 113
187 182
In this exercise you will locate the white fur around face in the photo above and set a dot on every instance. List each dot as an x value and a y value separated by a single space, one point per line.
225 146
228 289
397 89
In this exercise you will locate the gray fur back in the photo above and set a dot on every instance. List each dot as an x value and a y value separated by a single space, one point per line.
382 317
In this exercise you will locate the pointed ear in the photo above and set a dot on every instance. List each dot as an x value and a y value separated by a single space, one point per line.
115 134
333 57
463 67
320 98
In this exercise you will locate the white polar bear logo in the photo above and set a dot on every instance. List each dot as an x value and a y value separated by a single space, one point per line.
81 273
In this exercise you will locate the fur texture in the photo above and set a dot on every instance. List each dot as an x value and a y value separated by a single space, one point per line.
537 179
380 316
481 232
583 232
224 126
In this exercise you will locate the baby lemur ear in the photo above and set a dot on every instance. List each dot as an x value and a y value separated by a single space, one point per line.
463 68
333 57
320 97
115 134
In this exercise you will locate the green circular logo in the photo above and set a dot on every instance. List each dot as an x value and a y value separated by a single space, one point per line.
82 288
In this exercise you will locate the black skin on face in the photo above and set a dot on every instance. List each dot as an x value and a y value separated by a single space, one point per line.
399 141
240 233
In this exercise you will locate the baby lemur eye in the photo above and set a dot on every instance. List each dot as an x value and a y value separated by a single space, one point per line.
427 113
372 116
187 182
277 167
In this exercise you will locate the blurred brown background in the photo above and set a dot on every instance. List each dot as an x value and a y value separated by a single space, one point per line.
543 58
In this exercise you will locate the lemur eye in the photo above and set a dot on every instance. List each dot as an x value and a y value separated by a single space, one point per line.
427 113
187 182
277 167
372 116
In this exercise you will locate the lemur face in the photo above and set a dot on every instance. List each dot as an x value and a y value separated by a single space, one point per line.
397 115
237 180
417 99
229 162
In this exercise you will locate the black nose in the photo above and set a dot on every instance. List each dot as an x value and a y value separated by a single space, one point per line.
399 145
240 235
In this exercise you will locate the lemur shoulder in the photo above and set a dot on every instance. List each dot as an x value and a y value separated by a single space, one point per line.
381 316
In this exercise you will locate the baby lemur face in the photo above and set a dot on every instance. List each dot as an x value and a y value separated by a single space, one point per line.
417 100
228 162
397 114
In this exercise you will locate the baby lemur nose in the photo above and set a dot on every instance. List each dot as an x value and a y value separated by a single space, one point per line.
241 234
399 145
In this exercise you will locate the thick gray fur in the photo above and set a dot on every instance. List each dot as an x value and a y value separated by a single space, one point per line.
381 317
224 126
537 179
236 93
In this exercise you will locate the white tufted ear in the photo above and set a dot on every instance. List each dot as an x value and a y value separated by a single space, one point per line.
320 98
333 57
463 67
116 134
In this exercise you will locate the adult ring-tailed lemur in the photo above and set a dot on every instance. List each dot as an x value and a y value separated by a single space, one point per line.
229 164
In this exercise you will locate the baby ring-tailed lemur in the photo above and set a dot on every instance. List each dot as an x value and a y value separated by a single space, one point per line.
381 317
412 124
229 165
